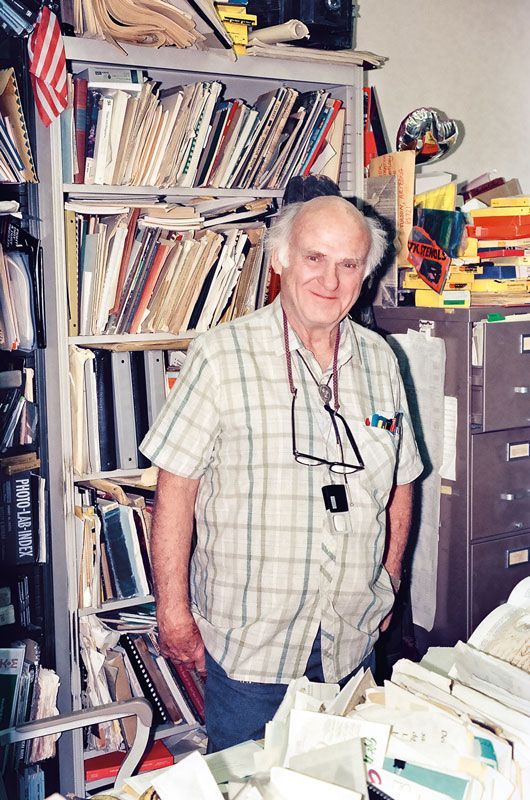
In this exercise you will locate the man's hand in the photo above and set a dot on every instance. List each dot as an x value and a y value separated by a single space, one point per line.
180 640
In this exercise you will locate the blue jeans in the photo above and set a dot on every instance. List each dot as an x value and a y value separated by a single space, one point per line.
238 710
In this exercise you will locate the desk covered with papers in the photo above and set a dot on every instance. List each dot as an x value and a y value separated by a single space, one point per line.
454 726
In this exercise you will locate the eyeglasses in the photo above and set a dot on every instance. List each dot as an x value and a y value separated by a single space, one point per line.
340 467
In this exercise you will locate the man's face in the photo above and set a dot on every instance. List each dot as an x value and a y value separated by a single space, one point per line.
325 269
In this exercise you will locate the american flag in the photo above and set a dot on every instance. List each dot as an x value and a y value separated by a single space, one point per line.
48 66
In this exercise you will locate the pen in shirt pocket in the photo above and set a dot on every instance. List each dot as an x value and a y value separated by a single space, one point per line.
390 424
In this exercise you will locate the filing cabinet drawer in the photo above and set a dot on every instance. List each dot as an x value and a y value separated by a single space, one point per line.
495 569
500 482
506 390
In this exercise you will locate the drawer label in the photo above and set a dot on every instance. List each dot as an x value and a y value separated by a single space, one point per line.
518 557
525 343
518 450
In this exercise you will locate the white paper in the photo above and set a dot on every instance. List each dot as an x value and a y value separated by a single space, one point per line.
422 364
190 778
233 762
291 785
286 32
341 764
309 731
448 469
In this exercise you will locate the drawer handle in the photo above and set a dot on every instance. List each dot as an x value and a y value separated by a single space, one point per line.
521 389
518 525
508 496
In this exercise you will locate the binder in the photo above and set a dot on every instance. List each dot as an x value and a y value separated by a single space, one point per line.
107 428
159 712
123 404
92 417
157 678
139 392
155 382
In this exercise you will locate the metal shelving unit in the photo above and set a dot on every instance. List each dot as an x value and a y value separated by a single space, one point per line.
246 77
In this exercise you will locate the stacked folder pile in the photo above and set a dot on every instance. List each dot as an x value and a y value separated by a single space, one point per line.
456 726
155 23
16 159
501 235
124 130
133 270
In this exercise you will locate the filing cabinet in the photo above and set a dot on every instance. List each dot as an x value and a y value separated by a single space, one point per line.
484 534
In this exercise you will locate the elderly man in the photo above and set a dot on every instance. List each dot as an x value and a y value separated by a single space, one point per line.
287 440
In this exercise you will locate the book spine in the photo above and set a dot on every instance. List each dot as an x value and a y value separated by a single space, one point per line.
80 126
191 689
135 295
118 557
92 115
19 519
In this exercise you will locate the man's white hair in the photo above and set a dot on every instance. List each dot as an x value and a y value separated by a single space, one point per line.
278 238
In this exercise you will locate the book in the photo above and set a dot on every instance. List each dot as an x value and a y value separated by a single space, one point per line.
191 683
80 126
11 664
127 79
92 116
107 765
19 518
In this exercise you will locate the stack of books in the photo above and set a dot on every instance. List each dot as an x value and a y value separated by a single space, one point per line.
122 129
501 235
113 529
158 269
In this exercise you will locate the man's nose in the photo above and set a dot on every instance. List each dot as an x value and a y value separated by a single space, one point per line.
330 277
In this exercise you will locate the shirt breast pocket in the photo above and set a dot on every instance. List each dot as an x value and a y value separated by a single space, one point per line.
379 452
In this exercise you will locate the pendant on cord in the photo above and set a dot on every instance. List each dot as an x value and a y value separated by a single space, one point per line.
324 392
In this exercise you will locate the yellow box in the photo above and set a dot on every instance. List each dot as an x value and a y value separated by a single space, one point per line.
451 299
500 211
507 286
459 280
518 200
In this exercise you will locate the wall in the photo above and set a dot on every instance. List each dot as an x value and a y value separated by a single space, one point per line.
469 59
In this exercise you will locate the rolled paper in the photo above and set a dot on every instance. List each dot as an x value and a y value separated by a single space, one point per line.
287 32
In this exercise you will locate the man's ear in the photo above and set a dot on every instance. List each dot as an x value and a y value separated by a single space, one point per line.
276 264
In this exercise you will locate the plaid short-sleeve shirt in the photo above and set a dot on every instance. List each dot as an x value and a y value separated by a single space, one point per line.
268 567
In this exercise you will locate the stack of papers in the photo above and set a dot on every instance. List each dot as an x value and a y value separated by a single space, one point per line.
425 735
294 53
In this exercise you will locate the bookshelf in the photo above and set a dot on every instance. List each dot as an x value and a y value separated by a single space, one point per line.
30 583
247 78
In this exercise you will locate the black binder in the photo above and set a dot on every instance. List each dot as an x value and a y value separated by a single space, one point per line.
107 428
139 391
159 712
